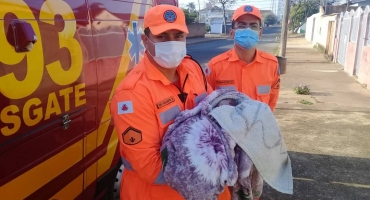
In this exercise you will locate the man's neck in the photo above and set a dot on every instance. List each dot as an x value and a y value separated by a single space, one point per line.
244 54
170 74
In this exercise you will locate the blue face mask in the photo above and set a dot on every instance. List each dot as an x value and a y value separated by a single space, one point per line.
246 38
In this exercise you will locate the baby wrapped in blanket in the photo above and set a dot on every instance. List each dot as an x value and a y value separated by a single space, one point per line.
201 157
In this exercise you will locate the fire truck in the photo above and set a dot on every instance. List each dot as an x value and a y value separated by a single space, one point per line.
60 62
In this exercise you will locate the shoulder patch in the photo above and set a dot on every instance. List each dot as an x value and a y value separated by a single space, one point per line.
131 136
131 79
268 56
207 70
125 107
277 84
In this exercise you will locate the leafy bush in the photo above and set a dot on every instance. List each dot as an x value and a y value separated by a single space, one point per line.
301 89
270 19
208 28
305 102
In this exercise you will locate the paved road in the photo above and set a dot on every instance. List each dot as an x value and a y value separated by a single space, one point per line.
203 52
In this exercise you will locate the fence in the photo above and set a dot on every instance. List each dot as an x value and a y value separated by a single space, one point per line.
353 44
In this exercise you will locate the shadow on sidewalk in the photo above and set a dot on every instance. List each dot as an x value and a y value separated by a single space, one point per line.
326 177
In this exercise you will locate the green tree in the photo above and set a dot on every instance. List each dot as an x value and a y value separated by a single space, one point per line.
270 19
300 11
191 7
189 16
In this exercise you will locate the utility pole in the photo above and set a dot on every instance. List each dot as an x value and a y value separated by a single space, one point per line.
198 12
284 29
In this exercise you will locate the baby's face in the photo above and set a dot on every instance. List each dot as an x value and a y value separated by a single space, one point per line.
230 102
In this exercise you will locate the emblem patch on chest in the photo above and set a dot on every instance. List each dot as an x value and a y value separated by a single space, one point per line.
165 102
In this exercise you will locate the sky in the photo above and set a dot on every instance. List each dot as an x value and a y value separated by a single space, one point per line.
261 4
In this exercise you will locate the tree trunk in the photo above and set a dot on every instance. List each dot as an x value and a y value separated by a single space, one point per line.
224 14
305 14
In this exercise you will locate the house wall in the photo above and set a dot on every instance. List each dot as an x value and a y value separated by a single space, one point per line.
364 76
216 25
350 60
203 17
309 28
322 30
353 42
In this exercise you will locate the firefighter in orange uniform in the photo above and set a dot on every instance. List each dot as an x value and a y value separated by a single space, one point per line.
244 68
164 82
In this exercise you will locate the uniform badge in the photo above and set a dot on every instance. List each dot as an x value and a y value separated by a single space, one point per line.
170 16
277 84
248 9
125 107
131 136
207 70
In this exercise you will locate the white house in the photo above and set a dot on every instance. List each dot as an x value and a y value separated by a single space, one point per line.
213 14
214 18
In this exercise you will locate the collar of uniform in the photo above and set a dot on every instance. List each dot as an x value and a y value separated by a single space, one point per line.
154 74
235 57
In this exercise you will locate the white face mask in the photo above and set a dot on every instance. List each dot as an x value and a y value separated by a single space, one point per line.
169 54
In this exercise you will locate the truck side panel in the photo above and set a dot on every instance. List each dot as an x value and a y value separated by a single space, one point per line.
83 52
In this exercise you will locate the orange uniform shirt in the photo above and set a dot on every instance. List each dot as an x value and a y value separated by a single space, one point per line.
143 107
260 79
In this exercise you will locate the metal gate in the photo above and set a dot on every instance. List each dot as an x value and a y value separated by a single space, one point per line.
343 40
337 36
360 41
367 38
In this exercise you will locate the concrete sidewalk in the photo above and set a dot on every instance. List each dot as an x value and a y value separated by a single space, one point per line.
327 134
